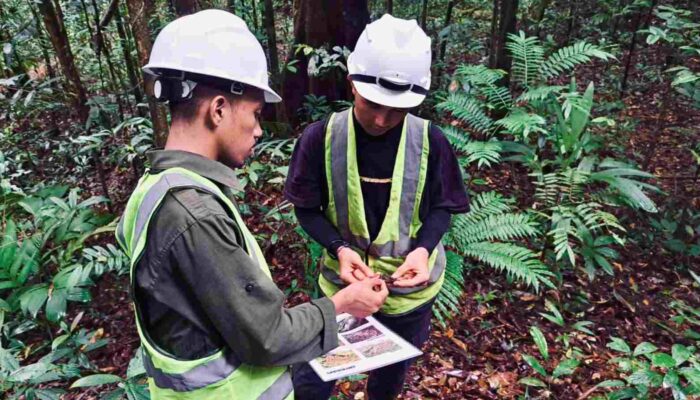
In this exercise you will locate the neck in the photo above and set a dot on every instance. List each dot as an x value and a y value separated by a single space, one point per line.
191 138
369 131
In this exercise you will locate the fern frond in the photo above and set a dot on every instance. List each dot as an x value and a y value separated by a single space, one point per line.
467 109
517 262
503 227
540 93
447 301
486 204
520 123
567 58
485 81
483 153
458 138
528 56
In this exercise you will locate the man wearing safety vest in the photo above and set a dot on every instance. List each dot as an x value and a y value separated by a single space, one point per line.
211 321
375 186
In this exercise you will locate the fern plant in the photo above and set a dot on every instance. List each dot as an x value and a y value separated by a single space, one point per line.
549 130
489 234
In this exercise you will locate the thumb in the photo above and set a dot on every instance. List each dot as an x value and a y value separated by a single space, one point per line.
401 270
364 268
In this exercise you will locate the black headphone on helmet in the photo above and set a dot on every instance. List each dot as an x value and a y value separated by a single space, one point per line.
173 90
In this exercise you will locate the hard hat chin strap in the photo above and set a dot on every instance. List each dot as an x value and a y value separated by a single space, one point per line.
389 85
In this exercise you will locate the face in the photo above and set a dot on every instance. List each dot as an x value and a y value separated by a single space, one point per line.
237 125
375 118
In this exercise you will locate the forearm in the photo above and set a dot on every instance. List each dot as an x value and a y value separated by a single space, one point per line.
315 223
436 223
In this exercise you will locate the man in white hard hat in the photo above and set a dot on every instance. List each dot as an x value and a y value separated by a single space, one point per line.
210 319
376 186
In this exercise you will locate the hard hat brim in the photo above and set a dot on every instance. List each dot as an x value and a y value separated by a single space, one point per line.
386 97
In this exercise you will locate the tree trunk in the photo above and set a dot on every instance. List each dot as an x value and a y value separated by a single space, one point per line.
571 22
59 40
633 45
128 61
103 47
185 7
321 23
538 15
440 67
272 55
448 21
424 15
505 14
255 15
42 40
138 11
389 6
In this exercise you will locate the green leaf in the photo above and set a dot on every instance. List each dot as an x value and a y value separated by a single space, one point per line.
672 381
56 304
680 353
530 381
644 348
96 380
32 300
534 364
620 345
611 383
692 375
540 341
627 393
566 367
662 360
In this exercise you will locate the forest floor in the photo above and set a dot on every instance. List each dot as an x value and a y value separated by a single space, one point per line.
479 355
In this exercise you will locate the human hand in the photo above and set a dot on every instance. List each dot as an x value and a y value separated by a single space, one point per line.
351 267
414 271
362 298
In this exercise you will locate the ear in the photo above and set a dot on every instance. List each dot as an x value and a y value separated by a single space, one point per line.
216 112
352 86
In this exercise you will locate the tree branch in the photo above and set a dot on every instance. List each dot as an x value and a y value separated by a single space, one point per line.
108 14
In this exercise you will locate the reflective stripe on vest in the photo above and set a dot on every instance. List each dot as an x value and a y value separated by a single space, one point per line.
196 378
276 382
409 187
152 199
413 146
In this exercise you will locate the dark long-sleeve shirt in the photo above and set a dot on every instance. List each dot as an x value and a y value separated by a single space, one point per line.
198 290
307 189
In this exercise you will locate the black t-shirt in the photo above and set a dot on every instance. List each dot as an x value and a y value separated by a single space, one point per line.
443 194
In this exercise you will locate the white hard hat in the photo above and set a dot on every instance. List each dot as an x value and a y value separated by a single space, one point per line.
213 43
391 63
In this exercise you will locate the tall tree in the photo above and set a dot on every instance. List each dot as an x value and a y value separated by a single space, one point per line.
502 23
59 40
448 21
321 23
644 17
42 39
134 83
269 17
138 10
271 40
185 7
424 15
